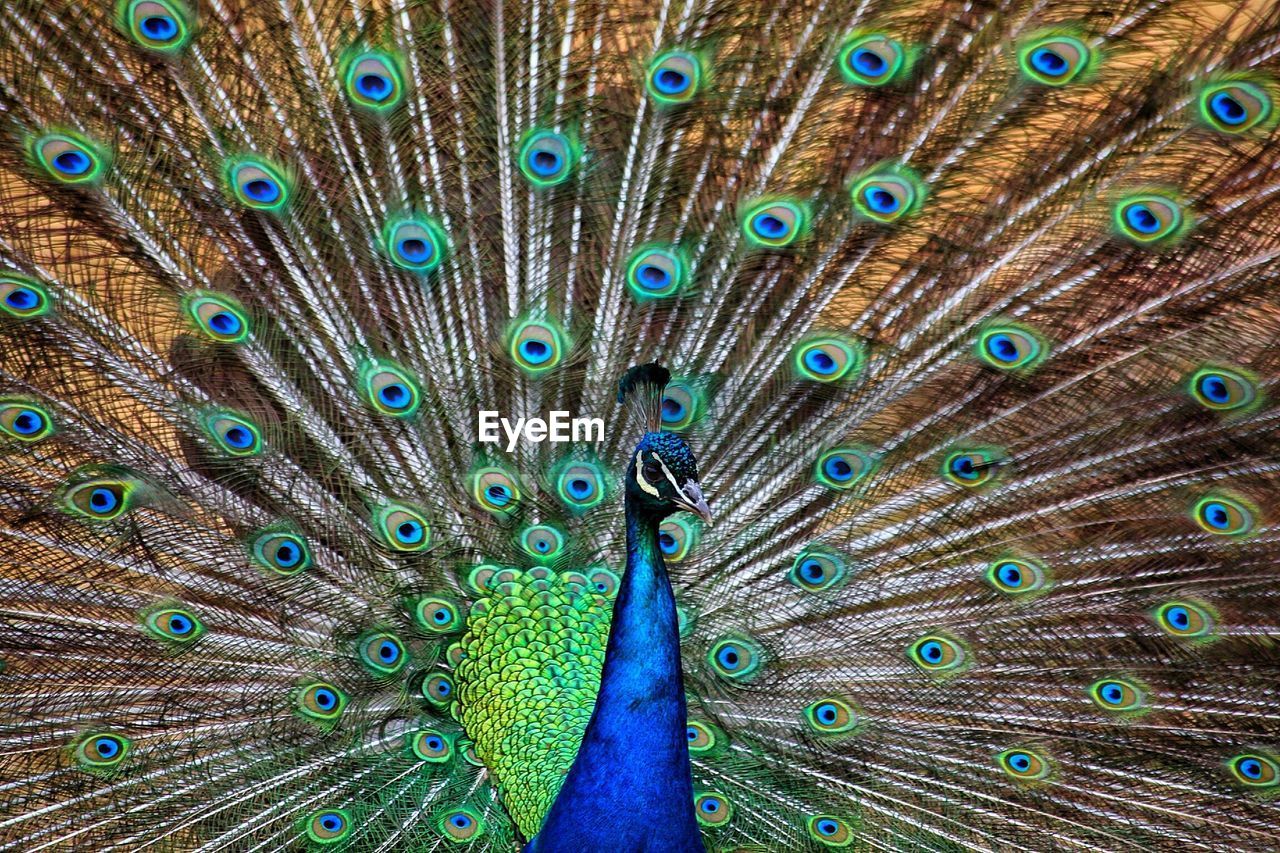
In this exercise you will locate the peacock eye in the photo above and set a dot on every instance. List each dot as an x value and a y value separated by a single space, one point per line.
843 468
536 346
160 25
418 245
886 195
775 224
1009 348
320 700
1117 694
1234 106
103 499
831 716
432 746
830 831
22 298
542 542
1223 516
814 571
1147 219
437 615
581 485
938 654
233 434
389 389
674 77
702 737
547 158
1222 390
374 81
1054 60
402 528
68 159
437 688
677 537
281 552
1023 764
656 272
328 826
603 582
382 653
871 59
652 470
101 752
258 184
1017 577
1255 770
461 825
24 421
971 468
173 624
828 359
1184 619
495 490
218 317
735 658
712 809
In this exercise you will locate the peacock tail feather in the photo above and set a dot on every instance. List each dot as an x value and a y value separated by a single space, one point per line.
972 313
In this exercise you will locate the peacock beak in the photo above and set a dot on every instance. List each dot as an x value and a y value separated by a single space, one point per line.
691 499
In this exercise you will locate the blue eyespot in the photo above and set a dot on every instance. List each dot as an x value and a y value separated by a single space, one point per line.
107 747
287 555
225 323
1048 63
395 395
499 495
1227 109
262 190
581 488
838 469
535 351
238 437
710 805
545 163
415 250
1141 219
667 543
867 62
159 27
331 822
103 500
325 698
653 277
22 298
669 81
827 827
461 821
28 422
375 87
409 532
1002 348
820 362
72 162
388 652
180 625
673 411
881 200
769 226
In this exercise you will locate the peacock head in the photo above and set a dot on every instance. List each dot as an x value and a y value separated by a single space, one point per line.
663 477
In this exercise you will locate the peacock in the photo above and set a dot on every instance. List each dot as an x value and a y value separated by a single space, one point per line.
934 348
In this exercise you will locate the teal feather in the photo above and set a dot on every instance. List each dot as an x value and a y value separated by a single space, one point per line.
967 310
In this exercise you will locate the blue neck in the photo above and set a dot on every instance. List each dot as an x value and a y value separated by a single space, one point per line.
630 788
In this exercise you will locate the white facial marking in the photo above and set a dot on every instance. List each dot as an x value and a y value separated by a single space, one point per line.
641 481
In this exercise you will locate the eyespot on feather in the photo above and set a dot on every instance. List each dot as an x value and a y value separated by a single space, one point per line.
24 420
22 298
872 59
